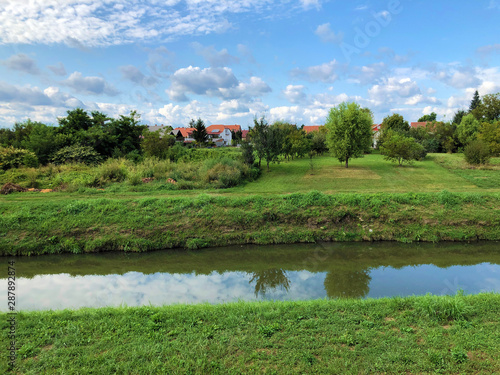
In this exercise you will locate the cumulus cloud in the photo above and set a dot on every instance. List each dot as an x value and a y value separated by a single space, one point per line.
369 74
133 74
90 23
89 85
326 72
392 89
294 93
58 69
459 77
26 95
215 82
213 57
22 63
327 35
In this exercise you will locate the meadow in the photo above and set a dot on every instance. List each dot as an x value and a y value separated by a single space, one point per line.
427 334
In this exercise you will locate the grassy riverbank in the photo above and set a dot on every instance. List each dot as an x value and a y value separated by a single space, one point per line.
100 224
398 335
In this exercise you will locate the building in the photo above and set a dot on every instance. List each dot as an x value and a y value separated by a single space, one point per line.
312 128
222 131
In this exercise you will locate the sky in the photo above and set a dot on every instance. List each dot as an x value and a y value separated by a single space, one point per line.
229 62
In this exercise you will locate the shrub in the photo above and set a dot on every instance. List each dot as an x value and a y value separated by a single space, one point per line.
114 170
477 152
11 157
77 154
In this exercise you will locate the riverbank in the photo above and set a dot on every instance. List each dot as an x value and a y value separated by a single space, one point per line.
443 334
90 224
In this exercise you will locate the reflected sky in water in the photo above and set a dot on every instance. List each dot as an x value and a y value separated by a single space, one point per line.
58 291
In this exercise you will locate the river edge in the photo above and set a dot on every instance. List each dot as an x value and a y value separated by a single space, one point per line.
50 226
448 334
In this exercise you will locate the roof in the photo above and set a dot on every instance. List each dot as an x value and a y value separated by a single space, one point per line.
419 124
212 128
244 134
376 127
185 132
312 128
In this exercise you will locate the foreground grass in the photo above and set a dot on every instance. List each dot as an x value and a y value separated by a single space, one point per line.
399 335
88 225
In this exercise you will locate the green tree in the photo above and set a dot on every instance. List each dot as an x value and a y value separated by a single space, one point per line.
489 109
266 140
428 118
318 142
200 134
247 153
41 141
457 118
349 131
489 133
77 119
395 122
475 102
157 143
401 149
468 129
126 132
477 152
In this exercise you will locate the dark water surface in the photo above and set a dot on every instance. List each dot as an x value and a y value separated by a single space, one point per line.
282 272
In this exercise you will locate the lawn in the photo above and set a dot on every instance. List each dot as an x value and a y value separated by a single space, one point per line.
425 334
372 174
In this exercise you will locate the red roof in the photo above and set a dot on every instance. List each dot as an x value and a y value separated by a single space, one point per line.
220 128
244 134
185 132
418 124
376 127
312 128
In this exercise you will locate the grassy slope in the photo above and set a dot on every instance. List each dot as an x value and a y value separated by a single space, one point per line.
106 220
399 335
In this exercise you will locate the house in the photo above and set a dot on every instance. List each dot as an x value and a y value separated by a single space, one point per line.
161 127
222 131
184 135
376 134
312 128
419 124
244 135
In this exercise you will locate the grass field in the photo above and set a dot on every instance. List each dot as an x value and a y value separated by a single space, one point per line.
428 334
371 174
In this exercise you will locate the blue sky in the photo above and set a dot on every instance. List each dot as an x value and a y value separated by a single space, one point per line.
231 61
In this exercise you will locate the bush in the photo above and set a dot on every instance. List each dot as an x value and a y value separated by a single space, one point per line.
477 152
114 170
77 154
11 157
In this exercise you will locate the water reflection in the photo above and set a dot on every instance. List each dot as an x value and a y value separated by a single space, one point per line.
269 279
254 273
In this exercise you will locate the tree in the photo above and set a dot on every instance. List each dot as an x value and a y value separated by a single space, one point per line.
489 109
157 143
77 119
402 149
475 102
41 141
349 131
318 142
266 140
428 118
395 122
477 152
489 133
457 118
247 153
468 129
200 134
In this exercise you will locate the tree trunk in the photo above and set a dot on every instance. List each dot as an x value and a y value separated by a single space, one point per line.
347 162
268 165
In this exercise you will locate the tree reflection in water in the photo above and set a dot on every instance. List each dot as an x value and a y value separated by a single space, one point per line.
269 279
344 283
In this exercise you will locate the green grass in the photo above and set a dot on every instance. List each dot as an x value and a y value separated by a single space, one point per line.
149 223
370 174
399 335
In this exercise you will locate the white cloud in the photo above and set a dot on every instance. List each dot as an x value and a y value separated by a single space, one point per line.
326 72
327 35
369 74
90 23
486 50
22 63
23 95
459 78
294 93
58 69
213 57
133 74
392 90
89 85
214 82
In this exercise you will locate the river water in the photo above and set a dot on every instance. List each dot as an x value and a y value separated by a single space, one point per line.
277 272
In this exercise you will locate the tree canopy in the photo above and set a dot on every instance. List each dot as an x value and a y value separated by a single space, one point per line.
200 134
428 118
349 131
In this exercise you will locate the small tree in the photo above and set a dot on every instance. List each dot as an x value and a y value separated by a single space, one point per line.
477 152
468 129
489 132
157 143
200 132
428 118
247 153
475 102
349 131
401 149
